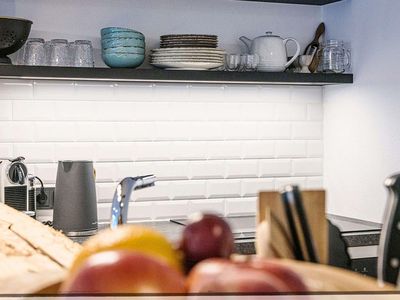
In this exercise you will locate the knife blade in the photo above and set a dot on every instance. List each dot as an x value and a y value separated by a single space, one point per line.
389 245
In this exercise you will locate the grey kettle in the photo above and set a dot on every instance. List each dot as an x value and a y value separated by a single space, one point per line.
75 204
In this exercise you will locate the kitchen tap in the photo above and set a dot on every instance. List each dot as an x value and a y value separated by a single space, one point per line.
120 204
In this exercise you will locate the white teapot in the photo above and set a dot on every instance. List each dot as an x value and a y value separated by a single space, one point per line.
271 50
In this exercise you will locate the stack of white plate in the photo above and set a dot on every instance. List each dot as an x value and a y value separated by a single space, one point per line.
188 58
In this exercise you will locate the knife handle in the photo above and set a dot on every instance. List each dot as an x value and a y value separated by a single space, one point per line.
389 245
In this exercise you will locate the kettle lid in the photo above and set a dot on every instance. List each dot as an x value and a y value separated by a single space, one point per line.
269 34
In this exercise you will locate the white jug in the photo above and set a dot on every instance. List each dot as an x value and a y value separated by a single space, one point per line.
271 50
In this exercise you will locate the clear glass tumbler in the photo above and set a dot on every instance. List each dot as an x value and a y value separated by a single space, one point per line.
34 53
249 62
82 54
59 53
334 57
232 62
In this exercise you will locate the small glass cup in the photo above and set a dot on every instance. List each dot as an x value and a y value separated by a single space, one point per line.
58 52
34 53
232 62
81 52
249 62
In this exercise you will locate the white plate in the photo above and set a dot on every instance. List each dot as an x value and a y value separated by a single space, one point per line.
188 65
187 56
189 50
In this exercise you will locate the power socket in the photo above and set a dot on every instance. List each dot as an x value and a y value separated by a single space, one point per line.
48 203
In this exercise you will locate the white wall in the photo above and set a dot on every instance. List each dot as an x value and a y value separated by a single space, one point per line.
212 147
361 125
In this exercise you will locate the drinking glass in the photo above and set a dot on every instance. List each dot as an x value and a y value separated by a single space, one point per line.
34 53
334 57
59 53
232 62
82 54
249 62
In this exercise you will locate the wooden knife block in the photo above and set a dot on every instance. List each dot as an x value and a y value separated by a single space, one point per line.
271 209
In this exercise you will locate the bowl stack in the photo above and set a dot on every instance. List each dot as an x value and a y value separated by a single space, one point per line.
122 47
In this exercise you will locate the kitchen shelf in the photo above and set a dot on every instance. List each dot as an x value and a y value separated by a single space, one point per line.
304 2
158 75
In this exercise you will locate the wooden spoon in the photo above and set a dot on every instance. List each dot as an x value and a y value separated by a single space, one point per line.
315 44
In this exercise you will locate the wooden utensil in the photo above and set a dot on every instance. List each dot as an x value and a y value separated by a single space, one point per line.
315 44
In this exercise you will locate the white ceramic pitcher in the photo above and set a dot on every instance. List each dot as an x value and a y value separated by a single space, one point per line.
271 50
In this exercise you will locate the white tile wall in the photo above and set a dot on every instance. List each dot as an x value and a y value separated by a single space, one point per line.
212 147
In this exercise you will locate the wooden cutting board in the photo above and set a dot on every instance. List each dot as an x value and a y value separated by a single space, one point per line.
32 255
271 209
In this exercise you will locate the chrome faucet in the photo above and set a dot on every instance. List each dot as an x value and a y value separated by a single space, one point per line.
120 204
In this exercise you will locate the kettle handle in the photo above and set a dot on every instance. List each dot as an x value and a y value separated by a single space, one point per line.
285 41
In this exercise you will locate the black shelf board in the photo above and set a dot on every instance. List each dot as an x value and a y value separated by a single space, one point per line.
176 76
303 2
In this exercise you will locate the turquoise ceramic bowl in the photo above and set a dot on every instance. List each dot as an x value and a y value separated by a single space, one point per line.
123 34
135 50
123 60
108 30
122 42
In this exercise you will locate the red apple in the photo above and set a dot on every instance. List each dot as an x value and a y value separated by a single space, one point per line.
206 236
113 272
224 276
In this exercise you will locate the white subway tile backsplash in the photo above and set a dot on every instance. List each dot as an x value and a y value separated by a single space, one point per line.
280 183
134 91
33 110
291 111
193 189
187 111
148 151
223 188
315 112
134 131
224 150
277 94
160 191
251 187
34 153
95 131
11 89
308 166
275 167
274 130
75 110
240 130
6 110
16 131
315 182
258 149
94 91
241 206
307 130
315 148
258 111
74 151
54 90
114 151
46 172
206 93
241 168
6 150
212 147
216 206
217 111
54 131
170 209
186 150
207 169
289 149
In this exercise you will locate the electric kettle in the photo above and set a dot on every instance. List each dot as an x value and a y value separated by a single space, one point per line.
271 49
75 205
